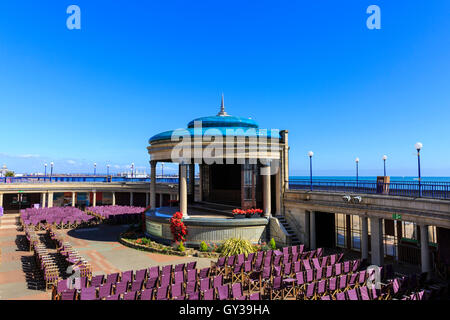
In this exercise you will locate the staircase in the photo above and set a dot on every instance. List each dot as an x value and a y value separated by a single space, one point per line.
9 221
293 237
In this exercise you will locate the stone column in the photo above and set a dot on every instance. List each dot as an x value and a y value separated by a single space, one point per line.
131 199
278 192
73 199
192 181
200 183
50 200
312 230
424 249
43 199
113 198
147 199
94 198
160 199
364 238
153 185
265 172
1 199
183 190
376 226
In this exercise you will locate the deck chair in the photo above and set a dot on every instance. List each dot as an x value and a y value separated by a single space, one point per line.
165 280
127 276
320 273
113 297
236 291
310 292
353 279
218 267
309 275
137 285
208 294
191 275
306 264
364 293
88 293
338 269
352 294
275 290
319 252
343 286
316 263
326 297
204 273
112 278
191 265
339 258
321 289
356 265
236 273
223 292
300 281
287 269
217 281
301 247
341 296
333 286
141 275
229 265
194 296
153 272
105 290
130 295
176 290
255 296
250 257
297 267
151 283
362 277
147 294
333 259
162 293
178 277
324 261
121 287
69 294
240 259
205 284
96 281
347 267
329 272
191 287
179 267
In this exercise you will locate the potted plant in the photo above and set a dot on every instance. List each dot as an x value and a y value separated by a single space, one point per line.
239 214
254 213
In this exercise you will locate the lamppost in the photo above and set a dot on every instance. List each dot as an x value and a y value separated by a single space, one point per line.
384 163
45 171
310 154
95 168
51 171
107 169
357 173
162 170
132 169
419 146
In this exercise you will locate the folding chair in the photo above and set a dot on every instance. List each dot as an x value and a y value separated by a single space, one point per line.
236 273
162 293
236 291
147 294
275 290
223 292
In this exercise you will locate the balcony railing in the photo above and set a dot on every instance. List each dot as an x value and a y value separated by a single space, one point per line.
425 189
87 178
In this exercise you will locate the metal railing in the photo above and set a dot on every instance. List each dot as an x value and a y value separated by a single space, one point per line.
86 178
425 189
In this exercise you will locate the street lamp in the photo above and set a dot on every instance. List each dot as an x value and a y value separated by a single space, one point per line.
310 154
419 146
357 173
107 169
384 163
51 170
45 171
95 168
132 169
162 170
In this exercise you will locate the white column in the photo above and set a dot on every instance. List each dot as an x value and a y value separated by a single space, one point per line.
424 249
265 171
50 200
376 237
113 198
131 199
1 199
364 238
73 199
312 230
94 198
43 199
183 190
153 185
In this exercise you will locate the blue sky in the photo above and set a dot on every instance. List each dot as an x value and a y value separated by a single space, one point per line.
137 68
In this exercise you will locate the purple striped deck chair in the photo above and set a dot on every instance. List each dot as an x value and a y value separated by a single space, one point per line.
312 254
113 297
309 275
285 251
319 274
332 284
319 252
353 279
153 272
259 260
277 259
147 294
339 258
69 294
236 291
250 257
178 277
194 296
137 285
162 293
310 291
219 266
329 273
343 282
294 250
356 264
333 259
240 259
97 281
287 269
191 287
105 290
127 276
276 272
151 283
130 295
255 296
338 269
364 292
295 257
362 276
374 294
191 265
297 266
140 275
208 294
179 267
121 287
286 258
324 262
223 292
61 286
112 278
230 261
88 293
301 247
204 273
205 283
327 297
176 290
276 291
341 296
316 263
304 255
191 275
321 287
165 280
347 267
217 281
306 264
182 297
300 279
167 270
83 282
352 294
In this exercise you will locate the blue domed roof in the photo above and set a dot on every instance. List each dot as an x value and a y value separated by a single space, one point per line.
224 121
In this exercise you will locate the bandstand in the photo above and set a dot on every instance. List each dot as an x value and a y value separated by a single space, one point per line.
238 165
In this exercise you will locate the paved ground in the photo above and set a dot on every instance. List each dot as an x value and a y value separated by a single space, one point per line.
98 245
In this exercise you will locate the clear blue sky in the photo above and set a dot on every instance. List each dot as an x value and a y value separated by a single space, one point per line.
137 68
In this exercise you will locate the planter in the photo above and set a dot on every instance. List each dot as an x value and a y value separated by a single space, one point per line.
254 216
239 216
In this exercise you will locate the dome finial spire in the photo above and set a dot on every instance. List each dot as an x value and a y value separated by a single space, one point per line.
222 111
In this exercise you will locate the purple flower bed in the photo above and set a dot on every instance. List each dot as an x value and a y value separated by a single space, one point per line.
111 211
55 215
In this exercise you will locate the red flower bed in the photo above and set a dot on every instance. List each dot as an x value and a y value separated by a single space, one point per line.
177 227
249 212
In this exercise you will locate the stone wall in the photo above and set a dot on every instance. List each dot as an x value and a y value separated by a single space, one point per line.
278 233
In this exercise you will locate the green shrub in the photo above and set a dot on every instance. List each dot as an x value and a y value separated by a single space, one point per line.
203 247
181 247
272 244
236 246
